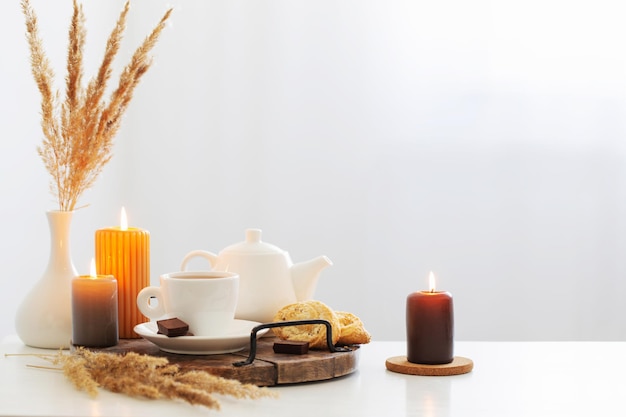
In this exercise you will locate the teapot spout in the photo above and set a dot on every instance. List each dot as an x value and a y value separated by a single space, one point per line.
304 276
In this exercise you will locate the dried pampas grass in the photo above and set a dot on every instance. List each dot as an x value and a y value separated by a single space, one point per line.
149 377
78 130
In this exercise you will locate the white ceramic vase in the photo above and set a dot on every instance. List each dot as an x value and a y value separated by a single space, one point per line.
44 319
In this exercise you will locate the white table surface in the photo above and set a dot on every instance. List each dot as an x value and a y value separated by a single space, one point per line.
509 379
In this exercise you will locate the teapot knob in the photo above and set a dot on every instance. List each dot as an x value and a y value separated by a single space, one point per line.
253 235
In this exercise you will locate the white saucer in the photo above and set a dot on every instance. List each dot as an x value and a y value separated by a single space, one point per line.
237 338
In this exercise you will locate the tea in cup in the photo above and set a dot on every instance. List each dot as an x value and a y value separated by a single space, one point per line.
205 300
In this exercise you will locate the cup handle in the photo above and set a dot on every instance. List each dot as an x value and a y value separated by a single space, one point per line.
143 302
211 257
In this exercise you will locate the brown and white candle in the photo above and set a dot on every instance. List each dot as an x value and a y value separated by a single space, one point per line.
94 310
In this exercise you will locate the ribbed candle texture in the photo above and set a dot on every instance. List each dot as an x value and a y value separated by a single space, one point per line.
125 254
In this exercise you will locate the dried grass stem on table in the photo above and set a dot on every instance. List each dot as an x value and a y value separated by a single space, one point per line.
79 130
148 376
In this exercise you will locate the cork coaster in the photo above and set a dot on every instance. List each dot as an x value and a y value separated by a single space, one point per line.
458 366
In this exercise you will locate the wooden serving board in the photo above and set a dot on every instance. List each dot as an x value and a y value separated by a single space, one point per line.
268 368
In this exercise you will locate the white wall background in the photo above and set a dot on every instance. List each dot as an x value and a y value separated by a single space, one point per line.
481 140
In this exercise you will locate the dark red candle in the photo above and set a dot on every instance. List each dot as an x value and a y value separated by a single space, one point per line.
430 326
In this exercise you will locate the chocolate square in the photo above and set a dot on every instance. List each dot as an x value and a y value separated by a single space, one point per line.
173 327
291 347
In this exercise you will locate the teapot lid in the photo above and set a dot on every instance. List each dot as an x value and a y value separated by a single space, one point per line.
253 245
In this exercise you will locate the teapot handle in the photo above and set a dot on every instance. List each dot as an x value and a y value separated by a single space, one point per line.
211 257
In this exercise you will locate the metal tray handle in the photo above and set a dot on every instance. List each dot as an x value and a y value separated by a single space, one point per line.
253 332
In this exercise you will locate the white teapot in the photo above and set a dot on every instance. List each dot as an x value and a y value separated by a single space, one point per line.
268 280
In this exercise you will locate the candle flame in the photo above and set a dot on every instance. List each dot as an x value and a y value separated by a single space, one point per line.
92 269
123 220
431 281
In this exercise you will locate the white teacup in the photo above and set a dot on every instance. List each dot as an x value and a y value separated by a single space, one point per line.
206 300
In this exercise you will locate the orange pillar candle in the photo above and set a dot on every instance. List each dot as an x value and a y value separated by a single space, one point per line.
94 310
430 326
124 252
